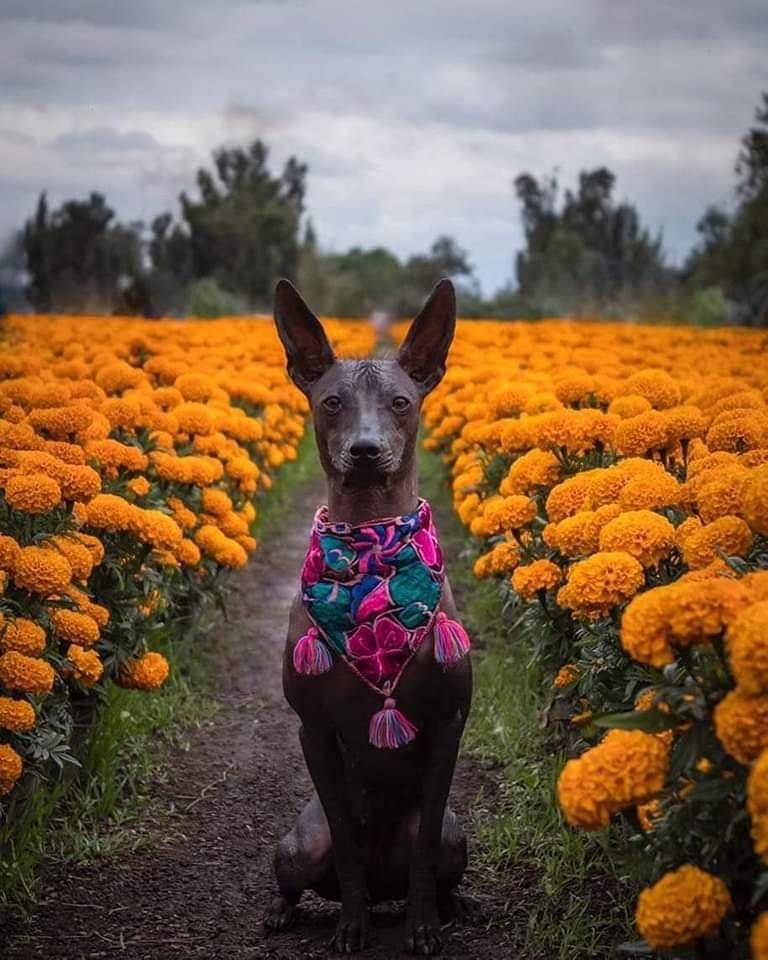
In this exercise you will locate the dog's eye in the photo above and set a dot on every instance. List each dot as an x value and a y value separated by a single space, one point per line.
400 404
332 404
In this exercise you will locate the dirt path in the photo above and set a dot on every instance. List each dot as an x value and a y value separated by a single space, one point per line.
201 891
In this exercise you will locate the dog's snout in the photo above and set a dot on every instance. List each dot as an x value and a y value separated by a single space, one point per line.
365 448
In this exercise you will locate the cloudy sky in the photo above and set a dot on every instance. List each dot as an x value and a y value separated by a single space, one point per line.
414 115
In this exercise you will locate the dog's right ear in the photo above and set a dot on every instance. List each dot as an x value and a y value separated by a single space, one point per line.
307 349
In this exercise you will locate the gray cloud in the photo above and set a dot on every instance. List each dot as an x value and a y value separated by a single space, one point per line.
414 118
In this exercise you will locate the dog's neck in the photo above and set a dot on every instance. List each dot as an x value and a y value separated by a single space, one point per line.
396 496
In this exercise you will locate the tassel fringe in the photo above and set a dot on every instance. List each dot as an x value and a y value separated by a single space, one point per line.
310 655
451 641
389 728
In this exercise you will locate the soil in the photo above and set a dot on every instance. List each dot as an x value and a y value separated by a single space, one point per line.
202 887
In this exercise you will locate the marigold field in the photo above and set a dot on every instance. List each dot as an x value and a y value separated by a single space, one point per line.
613 478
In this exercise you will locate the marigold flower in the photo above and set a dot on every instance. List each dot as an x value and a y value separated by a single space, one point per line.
120 456
22 635
747 638
147 672
686 905
648 813
221 548
75 627
109 512
754 500
9 553
155 527
501 558
87 667
11 766
625 768
758 939
216 501
77 553
744 430
650 492
630 405
42 570
187 552
18 716
528 580
569 497
508 513
741 724
25 674
566 676
33 494
79 482
534 469
729 536
601 582
139 485
638 435
647 536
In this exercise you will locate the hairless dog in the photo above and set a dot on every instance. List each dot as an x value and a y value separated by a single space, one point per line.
378 826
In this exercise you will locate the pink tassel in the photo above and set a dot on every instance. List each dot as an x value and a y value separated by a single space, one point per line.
451 641
310 655
390 729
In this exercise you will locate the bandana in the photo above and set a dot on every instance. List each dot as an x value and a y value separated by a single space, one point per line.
372 592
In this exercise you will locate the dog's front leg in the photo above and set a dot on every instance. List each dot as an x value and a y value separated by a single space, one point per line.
326 767
423 924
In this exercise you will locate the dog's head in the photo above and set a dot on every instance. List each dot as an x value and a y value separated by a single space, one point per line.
366 412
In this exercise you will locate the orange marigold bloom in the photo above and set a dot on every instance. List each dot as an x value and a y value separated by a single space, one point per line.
188 553
22 635
75 627
686 905
216 501
155 527
79 482
501 558
94 546
120 456
650 492
87 667
42 570
656 385
684 423
754 500
147 672
638 435
107 511
647 536
508 513
747 638
11 766
601 582
744 430
9 553
728 535
528 580
78 554
630 405
195 418
139 485
221 548
566 676
16 715
569 497
758 939
757 805
625 768
536 468
190 386
648 813
33 494
25 674
741 724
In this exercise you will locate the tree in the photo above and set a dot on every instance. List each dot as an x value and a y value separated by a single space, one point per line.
77 258
587 252
243 228
732 253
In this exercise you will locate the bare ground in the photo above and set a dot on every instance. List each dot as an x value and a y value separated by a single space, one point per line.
201 889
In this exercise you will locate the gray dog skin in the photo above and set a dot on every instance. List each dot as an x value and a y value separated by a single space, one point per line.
378 825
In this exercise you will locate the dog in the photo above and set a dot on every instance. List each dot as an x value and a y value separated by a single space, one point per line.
378 826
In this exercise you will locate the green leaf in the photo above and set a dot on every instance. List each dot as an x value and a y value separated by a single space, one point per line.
649 721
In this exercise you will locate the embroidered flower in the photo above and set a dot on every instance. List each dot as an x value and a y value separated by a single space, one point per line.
379 651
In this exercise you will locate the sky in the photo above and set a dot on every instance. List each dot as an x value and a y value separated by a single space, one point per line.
414 117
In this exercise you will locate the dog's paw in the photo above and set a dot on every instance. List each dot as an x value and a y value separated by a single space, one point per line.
458 908
351 934
423 939
281 914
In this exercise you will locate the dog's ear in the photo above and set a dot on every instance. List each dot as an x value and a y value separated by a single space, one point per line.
425 349
307 349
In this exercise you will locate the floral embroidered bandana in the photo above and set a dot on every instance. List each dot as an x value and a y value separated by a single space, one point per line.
372 592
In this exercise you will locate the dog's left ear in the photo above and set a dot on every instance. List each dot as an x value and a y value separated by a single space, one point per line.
307 350
424 351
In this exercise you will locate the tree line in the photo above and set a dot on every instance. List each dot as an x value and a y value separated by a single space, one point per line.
242 226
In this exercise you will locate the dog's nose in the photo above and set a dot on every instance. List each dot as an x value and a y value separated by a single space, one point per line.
365 449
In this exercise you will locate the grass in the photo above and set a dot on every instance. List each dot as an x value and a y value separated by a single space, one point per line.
576 891
91 813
